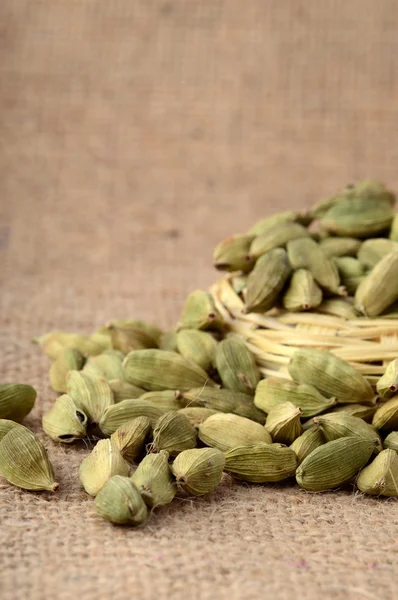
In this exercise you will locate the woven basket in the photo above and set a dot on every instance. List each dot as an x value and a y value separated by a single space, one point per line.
368 344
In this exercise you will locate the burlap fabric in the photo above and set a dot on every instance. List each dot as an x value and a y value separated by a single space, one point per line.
134 136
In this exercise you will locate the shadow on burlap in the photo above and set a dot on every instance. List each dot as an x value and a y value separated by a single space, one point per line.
134 136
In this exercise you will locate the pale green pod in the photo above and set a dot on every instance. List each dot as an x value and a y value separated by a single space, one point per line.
236 366
102 336
224 400
154 480
120 502
195 414
372 251
156 370
118 414
64 422
268 223
386 416
302 293
394 229
283 423
68 359
267 280
24 461
261 463
199 312
104 462
197 346
391 441
90 393
340 246
307 442
166 400
380 478
305 253
351 272
168 341
277 237
379 289
387 385
334 463
54 342
128 335
357 410
199 471
123 390
233 254
337 425
173 432
273 391
225 431
338 307
6 425
107 365
331 375
131 437
16 400
239 283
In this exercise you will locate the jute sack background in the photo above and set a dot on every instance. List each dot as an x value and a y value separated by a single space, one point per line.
134 136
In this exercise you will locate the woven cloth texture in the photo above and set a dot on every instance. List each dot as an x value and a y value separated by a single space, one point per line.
135 134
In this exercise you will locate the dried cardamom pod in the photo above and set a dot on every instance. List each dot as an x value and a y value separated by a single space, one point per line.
233 254
340 246
338 307
261 463
372 251
134 335
277 237
199 471
331 375
123 390
6 425
16 400
273 391
157 370
380 478
173 432
102 337
131 437
305 253
236 365
120 502
386 416
357 410
387 385
53 342
154 480
225 431
197 346
267 280
167 400
199 312
107 365
118 414
224 400
334 463
195 415
91 394
351 272
302 293
283 423
64 422
103 462
337 425
24 461
168 341
272 221
307 442
68 359
391 440
379 289
394 229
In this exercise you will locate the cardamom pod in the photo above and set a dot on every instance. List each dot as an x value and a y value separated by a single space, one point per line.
134 335
131 437
261 463
199 471
24 461
302 293
199 312
372 251
394 229
102 337
91 394
351 272
277 237
195 415
225 431
380 478
68 359
236 366
173 432
305 253
307 442
224 400
337 425
103 462
267 280
233 254
54 342
391 440
197 346
386 416
338 307
154 480
16 400
168 341
64 422
107 365
340 246
123 390
120 502
118 414
283 423
379 289
6 425
387 385
167 400
357 410
272 221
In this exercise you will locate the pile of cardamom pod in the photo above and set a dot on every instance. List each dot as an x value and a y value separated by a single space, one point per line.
287 368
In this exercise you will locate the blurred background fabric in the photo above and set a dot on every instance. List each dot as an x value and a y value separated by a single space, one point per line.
135 135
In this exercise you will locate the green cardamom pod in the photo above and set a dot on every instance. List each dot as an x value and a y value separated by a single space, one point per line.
372 251
236 366
199 312
391 440
54 342
386 416
134 335
199 471
173 432
302 293
357 410
154 480
337 425
351 272
118 414
305 253
6 425
224 400
338 307
378 290
340 246
168 341
91 394
380 478
272 221
195 415
123 390
167 400
277 237
307 442
267 280
120 502
107 365
16 400
261 463
64 422
103 462
387 385
283 423
225 431
131 438
233 254
394 229
68 359
197 346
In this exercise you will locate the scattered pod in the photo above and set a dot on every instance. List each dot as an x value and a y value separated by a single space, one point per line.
236 365
24 461
340 246
267 280
387 385
6 425
380 478
123 390
277 237
64 422
273 391
199 471
197 346
225 431
103 462
173 432
224 400
391 440
305 253
68 359
131 437
16 400
337 425
233 254
118 414
91 394
199 312
134 335
386 416
107 365
54 342
302 293
307 442
154 480
166 400
195 414
378 290
261 463
120 502
372 251
283 423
